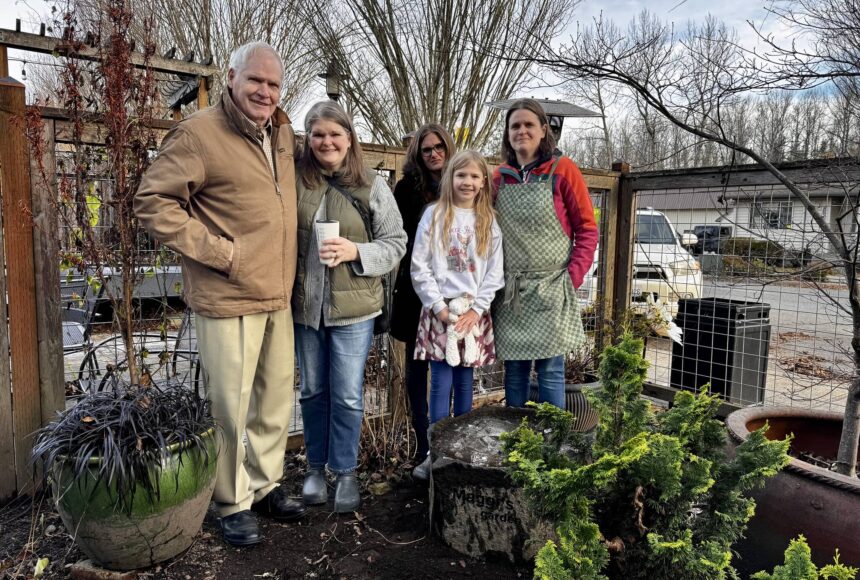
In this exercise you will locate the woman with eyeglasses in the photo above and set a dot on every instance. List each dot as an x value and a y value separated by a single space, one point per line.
426 158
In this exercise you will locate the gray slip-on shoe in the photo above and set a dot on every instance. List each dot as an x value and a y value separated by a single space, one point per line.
422 471
315 489
346 495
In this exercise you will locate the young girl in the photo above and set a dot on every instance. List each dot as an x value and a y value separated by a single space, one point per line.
457 252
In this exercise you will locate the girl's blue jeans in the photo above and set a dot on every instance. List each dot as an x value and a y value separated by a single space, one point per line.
444 377
550 375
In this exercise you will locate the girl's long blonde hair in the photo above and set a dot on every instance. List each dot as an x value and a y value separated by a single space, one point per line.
484 212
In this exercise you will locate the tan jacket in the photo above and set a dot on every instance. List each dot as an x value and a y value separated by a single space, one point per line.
210 193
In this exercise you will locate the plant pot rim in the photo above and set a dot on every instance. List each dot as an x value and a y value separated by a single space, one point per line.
592 384
736 424
172 448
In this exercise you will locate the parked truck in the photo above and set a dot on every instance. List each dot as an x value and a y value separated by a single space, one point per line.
663 267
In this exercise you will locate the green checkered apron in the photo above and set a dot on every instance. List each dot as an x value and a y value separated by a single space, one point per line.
538 314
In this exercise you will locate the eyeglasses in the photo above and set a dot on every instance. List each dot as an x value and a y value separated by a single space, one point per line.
437 148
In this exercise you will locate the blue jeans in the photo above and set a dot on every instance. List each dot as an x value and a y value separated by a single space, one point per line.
442 378
550 374
416 389
331 363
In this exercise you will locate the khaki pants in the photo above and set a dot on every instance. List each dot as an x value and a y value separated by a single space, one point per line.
249 364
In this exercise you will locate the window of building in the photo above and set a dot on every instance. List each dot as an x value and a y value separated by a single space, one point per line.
772 215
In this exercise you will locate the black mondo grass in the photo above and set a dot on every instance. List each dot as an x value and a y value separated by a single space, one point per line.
124 436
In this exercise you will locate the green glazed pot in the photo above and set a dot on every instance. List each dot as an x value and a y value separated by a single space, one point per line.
157 528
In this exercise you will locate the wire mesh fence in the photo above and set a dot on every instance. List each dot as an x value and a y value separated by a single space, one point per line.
743 271
753 284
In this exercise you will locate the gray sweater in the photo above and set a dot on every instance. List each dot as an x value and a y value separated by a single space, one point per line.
374 258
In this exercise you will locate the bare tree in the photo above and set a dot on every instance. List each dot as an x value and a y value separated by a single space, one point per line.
806 126
201 30
597 134
410 62
770 126
844 109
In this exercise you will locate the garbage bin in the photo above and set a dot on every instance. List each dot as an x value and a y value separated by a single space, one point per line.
726 343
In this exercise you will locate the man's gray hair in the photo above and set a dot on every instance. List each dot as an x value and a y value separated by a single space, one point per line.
240 57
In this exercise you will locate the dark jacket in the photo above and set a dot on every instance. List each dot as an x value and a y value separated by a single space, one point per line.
407 307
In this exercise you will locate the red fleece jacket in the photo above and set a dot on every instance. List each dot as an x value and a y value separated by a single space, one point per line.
572 207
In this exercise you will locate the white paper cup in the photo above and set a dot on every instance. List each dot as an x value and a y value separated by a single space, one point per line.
326 230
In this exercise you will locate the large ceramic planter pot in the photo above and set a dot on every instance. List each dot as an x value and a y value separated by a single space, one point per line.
804 498
576 403
157 528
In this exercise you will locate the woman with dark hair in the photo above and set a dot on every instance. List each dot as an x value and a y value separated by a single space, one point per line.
426 158
549 236
337 294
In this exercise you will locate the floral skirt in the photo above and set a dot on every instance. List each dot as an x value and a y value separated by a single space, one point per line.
433 336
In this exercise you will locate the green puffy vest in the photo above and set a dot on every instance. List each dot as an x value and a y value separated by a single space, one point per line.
350 296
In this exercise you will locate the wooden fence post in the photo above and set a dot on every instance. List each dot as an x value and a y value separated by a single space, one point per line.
46 251
620 224
4 61
21 287
202 93
8 482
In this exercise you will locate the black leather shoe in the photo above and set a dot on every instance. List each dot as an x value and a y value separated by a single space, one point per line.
241 529
279 507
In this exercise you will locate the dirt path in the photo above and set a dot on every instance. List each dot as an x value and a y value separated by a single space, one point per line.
387 538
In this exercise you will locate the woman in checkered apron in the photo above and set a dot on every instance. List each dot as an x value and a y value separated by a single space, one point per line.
457 252
550 234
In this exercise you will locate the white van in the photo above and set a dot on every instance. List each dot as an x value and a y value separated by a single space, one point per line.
662 266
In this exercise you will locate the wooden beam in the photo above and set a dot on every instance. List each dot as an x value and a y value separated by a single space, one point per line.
621 228
600 179
606 277
46 258
4 61
600 182
58 46
811 171
8 481
202 94
94 133
21 290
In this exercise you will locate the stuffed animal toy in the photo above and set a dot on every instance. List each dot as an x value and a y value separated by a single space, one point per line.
456 308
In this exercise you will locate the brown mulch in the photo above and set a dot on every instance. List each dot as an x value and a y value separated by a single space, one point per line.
786 336
388 538
811 365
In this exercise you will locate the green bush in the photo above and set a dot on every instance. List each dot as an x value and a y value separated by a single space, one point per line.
767 252
799 566
654 496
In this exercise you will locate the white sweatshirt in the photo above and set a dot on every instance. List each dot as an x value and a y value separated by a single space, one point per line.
439 275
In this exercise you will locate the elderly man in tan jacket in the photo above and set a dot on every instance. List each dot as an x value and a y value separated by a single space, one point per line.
222 194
